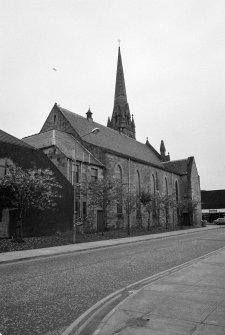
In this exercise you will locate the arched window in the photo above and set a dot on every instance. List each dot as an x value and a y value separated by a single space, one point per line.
166 187
119 177
153 184
138 193
176 191
118 173
138 183
54 118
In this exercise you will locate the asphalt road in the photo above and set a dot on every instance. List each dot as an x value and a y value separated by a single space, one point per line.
45 296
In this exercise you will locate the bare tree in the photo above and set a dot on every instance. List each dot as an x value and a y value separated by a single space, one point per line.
102 193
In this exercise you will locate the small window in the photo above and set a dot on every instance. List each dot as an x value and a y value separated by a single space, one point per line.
54 118
94 174
75 175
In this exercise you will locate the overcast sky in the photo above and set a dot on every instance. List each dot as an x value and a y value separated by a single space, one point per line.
173 54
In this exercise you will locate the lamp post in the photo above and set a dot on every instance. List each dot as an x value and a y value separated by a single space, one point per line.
93 131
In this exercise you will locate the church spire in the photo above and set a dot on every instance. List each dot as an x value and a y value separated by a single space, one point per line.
121 118
120 89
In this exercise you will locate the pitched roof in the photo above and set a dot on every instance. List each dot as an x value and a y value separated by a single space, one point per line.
177 166
213 199
65 142
111 139
7 138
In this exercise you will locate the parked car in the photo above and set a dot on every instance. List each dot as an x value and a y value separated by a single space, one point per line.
219 221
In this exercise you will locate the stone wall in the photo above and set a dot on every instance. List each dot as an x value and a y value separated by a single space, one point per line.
195 192
147 182
56 120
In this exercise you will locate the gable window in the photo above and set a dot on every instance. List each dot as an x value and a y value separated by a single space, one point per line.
94 174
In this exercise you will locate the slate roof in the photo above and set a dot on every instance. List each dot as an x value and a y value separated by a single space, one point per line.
177 166
111 140
65 142
213 199
7 138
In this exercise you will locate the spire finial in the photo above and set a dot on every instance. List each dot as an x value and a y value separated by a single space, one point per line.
119 42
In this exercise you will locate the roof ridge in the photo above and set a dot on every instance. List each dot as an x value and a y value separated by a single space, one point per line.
39 133
176 160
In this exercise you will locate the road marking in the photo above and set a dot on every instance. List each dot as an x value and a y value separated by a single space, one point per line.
99 306
79 330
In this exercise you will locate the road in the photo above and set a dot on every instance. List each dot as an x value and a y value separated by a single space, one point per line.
45 296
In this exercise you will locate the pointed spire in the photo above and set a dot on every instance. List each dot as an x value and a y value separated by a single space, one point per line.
121 119
120 90
162 148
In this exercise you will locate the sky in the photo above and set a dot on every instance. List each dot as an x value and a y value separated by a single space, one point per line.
173 54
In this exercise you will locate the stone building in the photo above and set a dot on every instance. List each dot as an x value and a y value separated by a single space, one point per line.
115 152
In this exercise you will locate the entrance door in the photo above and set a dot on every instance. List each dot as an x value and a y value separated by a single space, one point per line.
99 221
186 219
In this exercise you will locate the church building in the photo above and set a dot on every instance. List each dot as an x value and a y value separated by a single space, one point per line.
70 142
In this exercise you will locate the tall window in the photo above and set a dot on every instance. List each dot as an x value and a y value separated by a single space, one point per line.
119 176
177 190
166 187
138 203
138 183
153 184
75 174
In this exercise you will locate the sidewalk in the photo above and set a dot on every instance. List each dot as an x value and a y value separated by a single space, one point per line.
188 301
15 256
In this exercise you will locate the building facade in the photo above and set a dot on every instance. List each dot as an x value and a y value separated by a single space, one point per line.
115 152
213 205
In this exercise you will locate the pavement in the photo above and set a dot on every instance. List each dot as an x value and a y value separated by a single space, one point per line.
16 256
189 299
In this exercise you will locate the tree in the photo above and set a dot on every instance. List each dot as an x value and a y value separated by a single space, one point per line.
147 199
102 193
32 188
167 203
129 201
